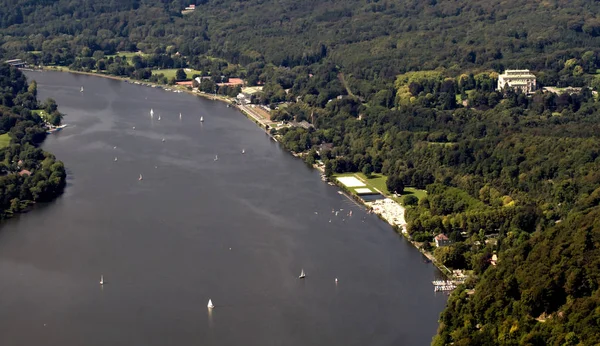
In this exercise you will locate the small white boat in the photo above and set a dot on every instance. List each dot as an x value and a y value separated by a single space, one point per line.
163 139
210 304
81 90
302 275
101 279
151 113
216 157
243 151
115 147
134 127
201 119
336 280
115 159
159 117
140 178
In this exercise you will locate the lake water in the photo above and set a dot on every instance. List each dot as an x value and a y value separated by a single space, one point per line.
238 231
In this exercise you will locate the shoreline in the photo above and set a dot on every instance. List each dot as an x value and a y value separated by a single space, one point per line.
399 229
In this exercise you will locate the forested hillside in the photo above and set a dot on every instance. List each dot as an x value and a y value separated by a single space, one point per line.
406 89
368 38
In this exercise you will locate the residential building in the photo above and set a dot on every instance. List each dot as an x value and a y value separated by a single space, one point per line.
517 79
442 240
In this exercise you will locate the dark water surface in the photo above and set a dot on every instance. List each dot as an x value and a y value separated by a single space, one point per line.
237 231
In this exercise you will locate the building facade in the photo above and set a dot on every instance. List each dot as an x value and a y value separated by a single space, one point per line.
442 240
517 79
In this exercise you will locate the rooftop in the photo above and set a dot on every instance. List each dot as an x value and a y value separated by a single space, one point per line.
441 236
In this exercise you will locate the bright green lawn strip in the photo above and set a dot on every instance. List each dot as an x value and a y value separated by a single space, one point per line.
170 72
4 140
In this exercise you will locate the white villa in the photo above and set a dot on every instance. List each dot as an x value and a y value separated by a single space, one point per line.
517 79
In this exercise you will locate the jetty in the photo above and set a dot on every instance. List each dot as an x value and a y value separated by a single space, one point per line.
443 285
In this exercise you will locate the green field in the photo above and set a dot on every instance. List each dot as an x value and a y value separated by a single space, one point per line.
420 194
170 73
377 182
128 55
4 140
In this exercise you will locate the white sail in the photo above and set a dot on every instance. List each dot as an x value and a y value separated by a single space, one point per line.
140 177
210 304
216 157
179 116
163 139
115 158
101 279
159 117
151 113
81 90
201 119
302 275
243 151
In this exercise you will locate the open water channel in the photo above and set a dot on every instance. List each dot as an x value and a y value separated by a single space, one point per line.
237 230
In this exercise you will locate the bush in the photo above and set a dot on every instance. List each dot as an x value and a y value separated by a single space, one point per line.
410 200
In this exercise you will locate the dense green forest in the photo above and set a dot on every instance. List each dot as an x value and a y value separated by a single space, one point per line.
27 173
405 88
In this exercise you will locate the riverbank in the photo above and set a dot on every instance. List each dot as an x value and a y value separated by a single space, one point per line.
394 214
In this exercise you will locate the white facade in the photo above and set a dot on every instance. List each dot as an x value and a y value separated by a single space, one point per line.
517 79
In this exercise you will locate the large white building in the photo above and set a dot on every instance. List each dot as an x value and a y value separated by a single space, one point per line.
517 79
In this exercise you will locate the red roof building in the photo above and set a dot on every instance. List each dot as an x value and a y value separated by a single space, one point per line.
442 240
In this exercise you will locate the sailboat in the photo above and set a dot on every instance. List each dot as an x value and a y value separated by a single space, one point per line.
302 275
179 116
243 151
81 90
101 279
216 157
159 117
163 139
210 304
140 178
201 119
115 159
151 113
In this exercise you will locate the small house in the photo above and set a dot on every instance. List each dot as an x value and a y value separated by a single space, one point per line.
16 62
323 147
494 260
442 240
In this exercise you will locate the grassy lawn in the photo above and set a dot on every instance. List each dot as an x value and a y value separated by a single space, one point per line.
377 182
128 55
171 72
4 140
416 192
